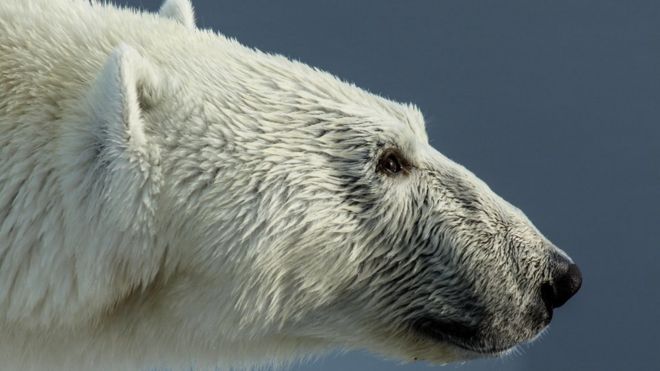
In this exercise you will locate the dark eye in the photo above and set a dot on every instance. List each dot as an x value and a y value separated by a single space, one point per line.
392 163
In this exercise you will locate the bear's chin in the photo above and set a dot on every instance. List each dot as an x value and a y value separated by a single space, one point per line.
467 340
449 351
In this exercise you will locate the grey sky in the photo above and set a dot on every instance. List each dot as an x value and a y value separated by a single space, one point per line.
555 104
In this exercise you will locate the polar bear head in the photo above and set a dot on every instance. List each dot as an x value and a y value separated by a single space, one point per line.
297 211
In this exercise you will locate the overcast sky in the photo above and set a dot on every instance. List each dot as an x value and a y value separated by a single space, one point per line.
555 104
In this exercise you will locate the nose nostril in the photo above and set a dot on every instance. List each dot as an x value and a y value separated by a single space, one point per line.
562 287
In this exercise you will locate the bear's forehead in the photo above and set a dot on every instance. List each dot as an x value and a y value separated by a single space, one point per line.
404 121
413 119
273 82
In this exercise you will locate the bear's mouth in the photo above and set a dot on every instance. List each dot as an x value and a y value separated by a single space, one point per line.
459 334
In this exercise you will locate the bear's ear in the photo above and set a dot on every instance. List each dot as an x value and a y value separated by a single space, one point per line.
179 10
126 162
126 86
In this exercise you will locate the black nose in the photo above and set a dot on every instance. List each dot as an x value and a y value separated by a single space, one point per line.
565 282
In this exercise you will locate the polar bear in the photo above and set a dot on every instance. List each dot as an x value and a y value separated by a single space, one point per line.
169 197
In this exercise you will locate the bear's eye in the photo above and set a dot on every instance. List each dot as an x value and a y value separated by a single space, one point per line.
391 162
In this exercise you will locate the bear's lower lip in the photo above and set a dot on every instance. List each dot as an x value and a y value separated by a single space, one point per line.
455 333
444 330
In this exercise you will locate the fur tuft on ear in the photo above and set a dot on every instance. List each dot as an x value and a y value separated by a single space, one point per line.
179 10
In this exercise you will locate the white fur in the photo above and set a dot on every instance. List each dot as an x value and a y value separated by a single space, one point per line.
169 197
179 10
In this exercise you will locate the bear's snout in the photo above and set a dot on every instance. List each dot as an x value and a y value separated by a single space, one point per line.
565 281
